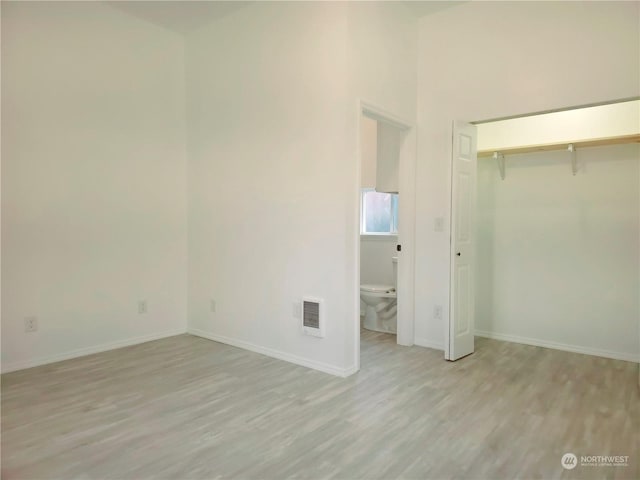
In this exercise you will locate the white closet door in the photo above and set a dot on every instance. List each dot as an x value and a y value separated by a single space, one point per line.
463 209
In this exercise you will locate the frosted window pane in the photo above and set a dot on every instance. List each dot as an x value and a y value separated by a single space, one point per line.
378 212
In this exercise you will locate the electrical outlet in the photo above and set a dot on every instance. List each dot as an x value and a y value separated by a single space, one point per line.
438 224
30 324
212 305
142 306
437 312
296 309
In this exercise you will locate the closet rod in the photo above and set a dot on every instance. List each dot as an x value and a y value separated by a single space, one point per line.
635 138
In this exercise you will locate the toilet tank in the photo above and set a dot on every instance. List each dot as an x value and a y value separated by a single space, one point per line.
395 271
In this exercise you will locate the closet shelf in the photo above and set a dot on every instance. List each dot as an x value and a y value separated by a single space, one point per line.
635 138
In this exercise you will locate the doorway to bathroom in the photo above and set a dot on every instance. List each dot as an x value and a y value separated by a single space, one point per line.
386 216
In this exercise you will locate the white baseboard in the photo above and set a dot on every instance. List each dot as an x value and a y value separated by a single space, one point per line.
559 346
81 352
424 342
270 352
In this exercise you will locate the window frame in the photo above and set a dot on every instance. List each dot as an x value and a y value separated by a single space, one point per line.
393 220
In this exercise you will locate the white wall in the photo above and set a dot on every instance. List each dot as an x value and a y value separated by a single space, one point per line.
382 53
558 254
93 180
471 68
270 180
368 151
376 252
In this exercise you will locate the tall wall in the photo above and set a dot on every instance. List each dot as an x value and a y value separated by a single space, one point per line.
93 180
483 60
270 180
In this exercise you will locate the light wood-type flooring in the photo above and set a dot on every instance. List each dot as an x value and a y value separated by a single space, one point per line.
189 408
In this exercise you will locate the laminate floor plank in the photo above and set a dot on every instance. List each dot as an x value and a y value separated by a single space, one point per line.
189 408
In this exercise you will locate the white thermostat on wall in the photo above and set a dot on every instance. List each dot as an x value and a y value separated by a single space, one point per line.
312 317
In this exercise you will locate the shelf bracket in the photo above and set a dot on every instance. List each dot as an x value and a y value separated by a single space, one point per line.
499 158
574 161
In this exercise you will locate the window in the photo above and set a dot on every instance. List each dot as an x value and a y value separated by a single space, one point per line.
378 213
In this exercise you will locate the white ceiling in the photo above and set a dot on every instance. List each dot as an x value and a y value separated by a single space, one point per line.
183 16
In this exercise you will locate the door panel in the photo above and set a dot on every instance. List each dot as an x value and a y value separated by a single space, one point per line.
463 206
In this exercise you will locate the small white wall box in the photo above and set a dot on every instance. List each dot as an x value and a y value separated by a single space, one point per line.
313 317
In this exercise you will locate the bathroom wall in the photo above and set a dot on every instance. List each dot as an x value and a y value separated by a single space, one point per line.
93 180
558 254
535 60
368 151
375 259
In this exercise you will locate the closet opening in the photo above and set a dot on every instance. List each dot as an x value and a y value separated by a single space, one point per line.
557 231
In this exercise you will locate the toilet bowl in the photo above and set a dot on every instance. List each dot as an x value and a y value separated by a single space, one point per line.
381 305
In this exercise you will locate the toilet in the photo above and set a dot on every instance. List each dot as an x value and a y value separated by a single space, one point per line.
381 304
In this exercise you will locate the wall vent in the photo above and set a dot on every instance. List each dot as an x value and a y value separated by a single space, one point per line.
312 317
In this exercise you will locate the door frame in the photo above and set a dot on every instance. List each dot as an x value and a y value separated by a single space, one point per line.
407 220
